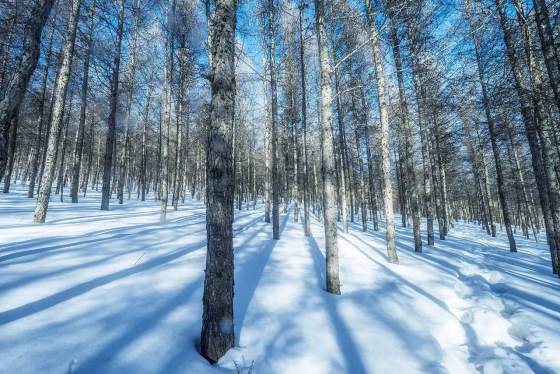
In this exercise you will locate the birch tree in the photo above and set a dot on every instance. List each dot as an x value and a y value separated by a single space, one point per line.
328 164
57 115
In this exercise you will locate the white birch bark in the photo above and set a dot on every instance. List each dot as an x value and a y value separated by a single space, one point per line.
57 115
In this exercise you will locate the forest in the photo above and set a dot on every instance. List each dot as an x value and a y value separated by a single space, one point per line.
280 186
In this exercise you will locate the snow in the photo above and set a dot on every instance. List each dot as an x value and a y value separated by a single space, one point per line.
93 291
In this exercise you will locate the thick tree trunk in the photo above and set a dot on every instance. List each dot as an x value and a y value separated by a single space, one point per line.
217 317
331 241
57 115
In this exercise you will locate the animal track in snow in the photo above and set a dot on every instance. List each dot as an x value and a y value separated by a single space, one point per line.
492 335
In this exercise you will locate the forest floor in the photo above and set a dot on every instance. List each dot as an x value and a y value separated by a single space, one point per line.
116 291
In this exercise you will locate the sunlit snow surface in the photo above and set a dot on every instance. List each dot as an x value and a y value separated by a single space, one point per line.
119 292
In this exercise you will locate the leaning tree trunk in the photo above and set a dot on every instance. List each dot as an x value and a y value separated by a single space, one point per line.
331 241
384 135
217 316
82 121
26 64
57 115
112 122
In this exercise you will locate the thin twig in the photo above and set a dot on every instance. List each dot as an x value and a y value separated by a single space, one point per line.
139 259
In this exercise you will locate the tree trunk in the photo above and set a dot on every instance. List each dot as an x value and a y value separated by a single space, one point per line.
331 241
11 152
345 185
60 184
274 125
168 72
82 121
384 135
267 138
428 188
217 317
179 119
295 190
306 226
124 154
370 173
112 122
90 157
363 197
57 116
411 182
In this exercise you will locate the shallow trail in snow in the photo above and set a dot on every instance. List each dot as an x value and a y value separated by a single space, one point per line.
117 291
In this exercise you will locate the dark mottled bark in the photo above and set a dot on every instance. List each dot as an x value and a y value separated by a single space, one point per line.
217 317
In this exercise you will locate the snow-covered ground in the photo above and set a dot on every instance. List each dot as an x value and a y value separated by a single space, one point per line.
119 292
